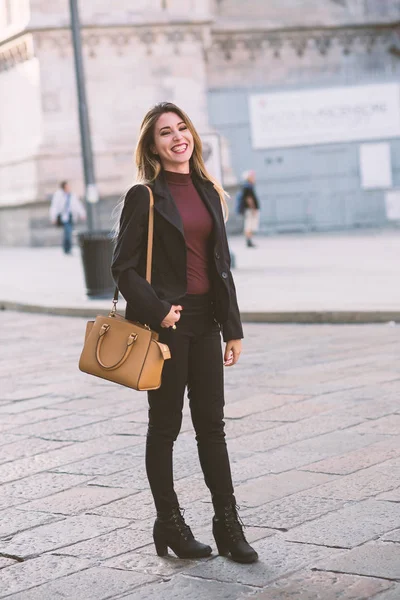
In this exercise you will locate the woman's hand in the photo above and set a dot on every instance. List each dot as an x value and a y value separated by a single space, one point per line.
233 349
172 317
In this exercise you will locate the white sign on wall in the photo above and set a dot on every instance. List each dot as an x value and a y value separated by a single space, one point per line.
212 154
323 116
392 205
375 166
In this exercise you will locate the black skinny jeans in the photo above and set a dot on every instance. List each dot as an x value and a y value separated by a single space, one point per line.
196 362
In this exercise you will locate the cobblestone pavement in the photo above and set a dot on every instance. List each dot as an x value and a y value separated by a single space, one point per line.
313 424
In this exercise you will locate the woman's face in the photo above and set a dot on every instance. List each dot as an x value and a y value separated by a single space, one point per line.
173 142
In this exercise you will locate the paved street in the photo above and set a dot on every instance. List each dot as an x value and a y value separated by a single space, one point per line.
313 423
301 273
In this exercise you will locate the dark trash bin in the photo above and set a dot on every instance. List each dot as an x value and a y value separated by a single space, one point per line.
96 250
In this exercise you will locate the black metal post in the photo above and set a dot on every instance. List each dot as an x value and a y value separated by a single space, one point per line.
86 145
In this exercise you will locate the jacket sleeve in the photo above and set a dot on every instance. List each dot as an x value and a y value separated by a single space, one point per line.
130 248
232 327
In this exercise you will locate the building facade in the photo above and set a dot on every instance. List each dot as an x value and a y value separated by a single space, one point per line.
305 92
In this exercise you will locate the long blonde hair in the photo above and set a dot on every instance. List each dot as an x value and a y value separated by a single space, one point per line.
148 164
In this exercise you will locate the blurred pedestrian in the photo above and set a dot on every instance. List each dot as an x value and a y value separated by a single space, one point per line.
190 301
65 210
248 205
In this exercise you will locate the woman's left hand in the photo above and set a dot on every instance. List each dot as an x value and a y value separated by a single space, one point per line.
233 349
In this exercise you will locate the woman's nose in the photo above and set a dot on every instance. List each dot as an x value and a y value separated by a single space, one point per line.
177 135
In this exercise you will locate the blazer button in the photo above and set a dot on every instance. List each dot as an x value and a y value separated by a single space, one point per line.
217 256
224 275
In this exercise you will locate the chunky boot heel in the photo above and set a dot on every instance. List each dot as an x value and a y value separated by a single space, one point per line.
170 530
229 536
160 544
223 550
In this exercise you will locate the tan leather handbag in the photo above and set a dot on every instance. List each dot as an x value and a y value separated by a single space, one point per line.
122 351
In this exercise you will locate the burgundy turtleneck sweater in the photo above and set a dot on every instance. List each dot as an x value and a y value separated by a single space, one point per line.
197 226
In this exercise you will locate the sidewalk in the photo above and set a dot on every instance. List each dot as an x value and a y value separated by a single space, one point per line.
331 277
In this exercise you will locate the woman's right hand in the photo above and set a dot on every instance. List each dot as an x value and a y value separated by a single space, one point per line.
173 316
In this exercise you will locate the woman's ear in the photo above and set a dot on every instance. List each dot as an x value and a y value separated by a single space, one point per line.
153 149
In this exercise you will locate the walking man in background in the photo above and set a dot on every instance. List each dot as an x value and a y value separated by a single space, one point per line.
65 210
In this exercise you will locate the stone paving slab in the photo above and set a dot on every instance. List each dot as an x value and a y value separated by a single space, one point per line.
188 588
300 454
15 520
40 485
96 583
84 433
323 586
56 458
30 447
392 536
270 487
75 500
349 526
259 403
392 495
7 562
392 594
362 484
301 398
111 544
294 432
53 536
369 455
278 558
389 425
375 559
20 577
101 464
152 564
290 511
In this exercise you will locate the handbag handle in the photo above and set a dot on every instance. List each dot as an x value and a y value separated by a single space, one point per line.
149 250
129 345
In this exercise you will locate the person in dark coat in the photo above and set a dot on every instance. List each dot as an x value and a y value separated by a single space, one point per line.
190 302
248 205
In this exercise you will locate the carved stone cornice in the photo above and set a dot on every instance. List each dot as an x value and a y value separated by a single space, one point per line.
15 52
121 38
318 40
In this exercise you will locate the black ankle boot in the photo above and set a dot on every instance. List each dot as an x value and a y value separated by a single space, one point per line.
229 536
170 530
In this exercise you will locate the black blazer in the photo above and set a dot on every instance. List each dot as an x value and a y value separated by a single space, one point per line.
151 303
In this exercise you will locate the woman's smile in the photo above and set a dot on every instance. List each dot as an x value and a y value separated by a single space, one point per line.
180 148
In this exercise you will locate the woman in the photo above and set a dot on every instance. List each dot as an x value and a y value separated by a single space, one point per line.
249 206
191 299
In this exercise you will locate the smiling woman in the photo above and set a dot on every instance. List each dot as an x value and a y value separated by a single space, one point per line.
173 142
190 301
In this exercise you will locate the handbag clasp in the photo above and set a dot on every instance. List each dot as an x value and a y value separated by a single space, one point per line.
113 311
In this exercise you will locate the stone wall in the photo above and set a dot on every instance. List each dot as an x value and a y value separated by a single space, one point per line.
141 59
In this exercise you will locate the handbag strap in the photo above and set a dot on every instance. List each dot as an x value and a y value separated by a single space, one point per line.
149 248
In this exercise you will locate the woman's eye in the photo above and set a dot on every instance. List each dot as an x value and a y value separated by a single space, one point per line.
165 133
182 128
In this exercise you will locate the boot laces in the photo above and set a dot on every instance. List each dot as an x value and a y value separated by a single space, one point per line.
234 523
178 519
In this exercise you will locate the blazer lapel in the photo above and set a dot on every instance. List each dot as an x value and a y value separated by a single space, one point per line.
165 205
211 200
